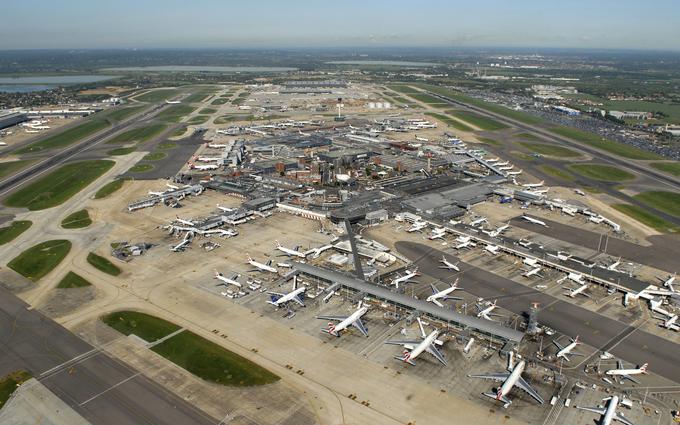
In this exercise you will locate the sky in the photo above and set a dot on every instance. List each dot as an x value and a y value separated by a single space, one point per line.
617 24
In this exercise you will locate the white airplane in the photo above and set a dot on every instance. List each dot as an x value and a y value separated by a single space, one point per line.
477 222
448 265
510 379
203 167
671 323
531 262
443 294
207 158
407 278
278 299
413 348
608 414
507 168
422 139
172 102
534 220
502 164
487 312
222 232
669 282
492 249
183 221
261 267
216 145
417 226
530 185
180 246
572 293
514 173
533 272
345 322
290 252
497 231
627 373
438 233
492 160
233 280
613 267
566 350
466 244
225 209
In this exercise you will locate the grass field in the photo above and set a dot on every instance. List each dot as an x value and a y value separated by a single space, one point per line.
157 95
240 98
207 111
121 151
119 114
175 113
667 167
9 384
220 100
139 134
668 202
155 156
179 132
167 145
556 172
72 280
59 185
479 121
211 362
103 264
550 150
610 146
522 156
428 99
602 172
77 220
37 261
141 168
225 119
13 230
196 97
66 138
198 119
145 326
489 141
526 136
11 167
647 218
670 109
449 121
109 188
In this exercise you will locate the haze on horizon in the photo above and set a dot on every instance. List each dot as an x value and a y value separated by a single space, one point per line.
608 24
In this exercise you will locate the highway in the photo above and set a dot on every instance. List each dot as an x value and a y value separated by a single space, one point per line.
58 158
98 387
624 341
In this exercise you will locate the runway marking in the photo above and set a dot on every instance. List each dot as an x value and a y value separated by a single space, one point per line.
110 388
70 362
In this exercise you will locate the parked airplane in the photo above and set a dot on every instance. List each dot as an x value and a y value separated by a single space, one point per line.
345 322
407 278
487 311
531 262
530 185
497 231
180 246
478 221
183 221
534 220
278 299
502 164
413 348
507 168
417 226
290 252
533 272
514 173
443 294
613 267
448 265
438 233
492 249
217 145
566 350
576 291
203 167
225 209
669 282
172 102
627 373
609 413
671 323
233 280
261 267
510 380
467 244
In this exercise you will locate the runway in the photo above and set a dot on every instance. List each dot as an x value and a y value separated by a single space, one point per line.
98 387
594 329
662 254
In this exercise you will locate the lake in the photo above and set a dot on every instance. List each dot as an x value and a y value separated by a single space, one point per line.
31 84
387 63
199 68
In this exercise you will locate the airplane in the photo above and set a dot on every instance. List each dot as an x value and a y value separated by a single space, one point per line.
180 246
183 221
443 294
172 102
609 413
531 262
422 139
216 145
405 278
417 226
669 282
627 373
222 232
533 272
502 164
438 233
448 265
261 267
510 380
497 231
572 293
507 168
294 295
345 322
566 350
477 222
496 159
534 220
227 280
492 249
413 348
225 209
514 173
613 267
203 167
671 323
466 244
531 185
290 252
206 159
487 312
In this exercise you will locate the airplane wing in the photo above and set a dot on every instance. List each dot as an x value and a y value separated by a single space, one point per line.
299 301
360 325
558 345
521 383
436 353
337 318
403 342
619 417
598 410
448 297
630 378
493 376
278 294
437 303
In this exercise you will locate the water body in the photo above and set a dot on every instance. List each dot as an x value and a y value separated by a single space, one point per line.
31 84
387 63
191 68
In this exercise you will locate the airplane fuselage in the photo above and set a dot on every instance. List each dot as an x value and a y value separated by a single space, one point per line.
336 329
511 381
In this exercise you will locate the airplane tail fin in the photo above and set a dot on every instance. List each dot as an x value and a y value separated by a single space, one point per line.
576 340
330 329
643 368
406 358
497 396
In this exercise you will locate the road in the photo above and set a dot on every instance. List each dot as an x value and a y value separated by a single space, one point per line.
23 176
98 387
630 344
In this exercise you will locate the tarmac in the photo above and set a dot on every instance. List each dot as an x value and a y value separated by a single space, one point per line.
624 341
